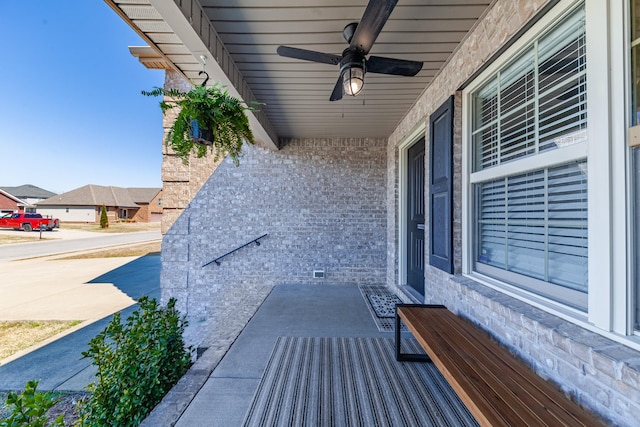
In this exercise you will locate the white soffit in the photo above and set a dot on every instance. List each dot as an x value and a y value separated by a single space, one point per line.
296 93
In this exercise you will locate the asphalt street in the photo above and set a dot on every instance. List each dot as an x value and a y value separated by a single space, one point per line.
52 247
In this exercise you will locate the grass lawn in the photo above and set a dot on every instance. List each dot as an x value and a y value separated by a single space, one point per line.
140 249
19 335
118 227
18 239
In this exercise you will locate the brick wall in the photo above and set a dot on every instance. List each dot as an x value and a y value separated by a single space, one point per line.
7 204
598 372
322 202
155 205
141 214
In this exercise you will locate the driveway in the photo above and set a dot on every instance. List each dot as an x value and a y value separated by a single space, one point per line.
59 364
37 286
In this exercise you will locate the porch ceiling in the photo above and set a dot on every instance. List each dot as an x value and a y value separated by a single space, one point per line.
296 93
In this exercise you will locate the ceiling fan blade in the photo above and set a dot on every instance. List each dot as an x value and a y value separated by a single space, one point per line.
398 67
308 55
373 19
336 95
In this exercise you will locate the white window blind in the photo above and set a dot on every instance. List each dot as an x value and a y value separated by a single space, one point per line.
535 224
531 228
537 102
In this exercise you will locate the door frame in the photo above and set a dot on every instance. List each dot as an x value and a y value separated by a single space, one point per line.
403 171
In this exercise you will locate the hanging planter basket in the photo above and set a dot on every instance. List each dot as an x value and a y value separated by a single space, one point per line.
200 135
209 121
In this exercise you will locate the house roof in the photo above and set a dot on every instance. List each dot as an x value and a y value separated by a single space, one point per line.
28 191
98 195
143 195
18 201
235 42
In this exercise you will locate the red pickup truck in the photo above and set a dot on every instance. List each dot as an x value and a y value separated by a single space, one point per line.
28 221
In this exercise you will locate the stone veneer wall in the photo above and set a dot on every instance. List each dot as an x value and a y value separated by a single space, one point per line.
322 202
598 372
181 182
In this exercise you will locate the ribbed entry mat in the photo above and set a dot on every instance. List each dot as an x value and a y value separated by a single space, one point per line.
352 382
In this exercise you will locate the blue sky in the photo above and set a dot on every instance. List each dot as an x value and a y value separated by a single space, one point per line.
71 111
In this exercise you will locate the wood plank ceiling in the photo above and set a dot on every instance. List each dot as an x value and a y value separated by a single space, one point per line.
296 93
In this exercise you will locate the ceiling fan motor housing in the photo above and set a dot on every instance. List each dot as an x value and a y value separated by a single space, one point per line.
351 58
349 30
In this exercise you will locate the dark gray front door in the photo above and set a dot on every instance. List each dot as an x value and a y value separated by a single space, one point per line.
415 217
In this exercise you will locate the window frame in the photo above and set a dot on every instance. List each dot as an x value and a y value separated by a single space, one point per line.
605 291
631 132
555 292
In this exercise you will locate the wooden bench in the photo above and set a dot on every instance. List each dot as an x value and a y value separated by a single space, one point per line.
498 388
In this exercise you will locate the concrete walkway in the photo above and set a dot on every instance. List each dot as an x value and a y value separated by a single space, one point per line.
219 387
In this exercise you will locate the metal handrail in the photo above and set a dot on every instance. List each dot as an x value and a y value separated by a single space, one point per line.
256 241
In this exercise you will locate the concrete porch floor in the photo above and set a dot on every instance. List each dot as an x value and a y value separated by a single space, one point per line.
289 310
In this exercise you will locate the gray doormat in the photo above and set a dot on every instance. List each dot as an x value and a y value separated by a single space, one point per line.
381 303
352 382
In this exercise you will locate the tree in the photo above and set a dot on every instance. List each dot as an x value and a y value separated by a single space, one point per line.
104 221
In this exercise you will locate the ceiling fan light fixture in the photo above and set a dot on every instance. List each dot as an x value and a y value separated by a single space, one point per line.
353 62
353 79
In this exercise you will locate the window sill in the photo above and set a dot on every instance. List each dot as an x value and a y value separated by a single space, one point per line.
539 310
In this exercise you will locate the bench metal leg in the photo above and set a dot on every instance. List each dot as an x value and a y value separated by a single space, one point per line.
406 357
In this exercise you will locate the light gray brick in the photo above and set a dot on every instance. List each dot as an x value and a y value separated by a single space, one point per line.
627 410
630 374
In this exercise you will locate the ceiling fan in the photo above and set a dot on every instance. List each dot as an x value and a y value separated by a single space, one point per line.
353 61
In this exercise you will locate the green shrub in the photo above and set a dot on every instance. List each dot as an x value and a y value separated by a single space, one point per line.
138 362
29 408
104 220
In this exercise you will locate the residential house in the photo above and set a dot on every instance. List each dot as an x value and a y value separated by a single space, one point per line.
502 181
149 202
22 198
84 204
10 203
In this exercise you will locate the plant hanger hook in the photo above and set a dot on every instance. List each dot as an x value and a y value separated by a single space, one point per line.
204 83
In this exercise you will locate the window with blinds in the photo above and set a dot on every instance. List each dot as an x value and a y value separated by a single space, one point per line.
531 228
535 103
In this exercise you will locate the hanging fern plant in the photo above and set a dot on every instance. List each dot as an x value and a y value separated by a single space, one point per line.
209 120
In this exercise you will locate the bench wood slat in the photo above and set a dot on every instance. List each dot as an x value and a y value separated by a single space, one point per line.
507 375
514 373
484 403
497 387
